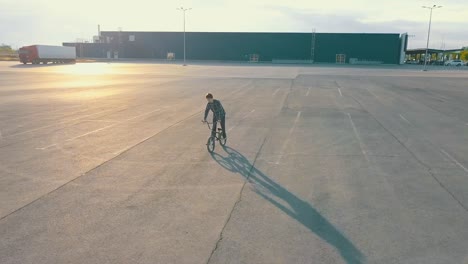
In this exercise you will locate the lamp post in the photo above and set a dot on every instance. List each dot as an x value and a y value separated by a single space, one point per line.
184 10
429 33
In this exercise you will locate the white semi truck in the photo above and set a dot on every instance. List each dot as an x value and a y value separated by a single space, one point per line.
37 54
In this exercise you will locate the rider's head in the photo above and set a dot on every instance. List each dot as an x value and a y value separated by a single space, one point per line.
209 97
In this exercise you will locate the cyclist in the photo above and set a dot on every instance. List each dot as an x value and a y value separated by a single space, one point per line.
218 114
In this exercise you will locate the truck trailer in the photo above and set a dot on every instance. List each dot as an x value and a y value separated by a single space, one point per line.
44 54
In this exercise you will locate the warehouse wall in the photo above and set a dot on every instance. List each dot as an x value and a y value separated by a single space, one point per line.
215 46
90 50
364 47
269 46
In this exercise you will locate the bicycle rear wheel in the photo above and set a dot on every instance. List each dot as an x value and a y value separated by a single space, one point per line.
222 141
210 145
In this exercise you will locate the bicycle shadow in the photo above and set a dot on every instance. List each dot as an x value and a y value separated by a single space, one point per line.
299 209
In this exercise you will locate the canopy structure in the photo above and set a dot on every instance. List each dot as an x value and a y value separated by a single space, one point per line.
434 54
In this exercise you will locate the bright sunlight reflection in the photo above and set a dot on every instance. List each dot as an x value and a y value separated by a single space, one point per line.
88 94
87 75
88 69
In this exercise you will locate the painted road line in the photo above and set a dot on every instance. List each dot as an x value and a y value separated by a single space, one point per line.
277 90
286 142
101 121
253 110
339 88
100 129
308 91
54 111
454 160
63 122
361 144
157 133
373 94
406 120
127 148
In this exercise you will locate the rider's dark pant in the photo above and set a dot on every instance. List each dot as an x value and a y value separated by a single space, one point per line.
222 120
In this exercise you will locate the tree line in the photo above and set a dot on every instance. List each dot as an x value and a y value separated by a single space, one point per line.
6 49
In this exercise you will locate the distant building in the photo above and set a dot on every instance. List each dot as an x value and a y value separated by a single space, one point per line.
359 48
435 56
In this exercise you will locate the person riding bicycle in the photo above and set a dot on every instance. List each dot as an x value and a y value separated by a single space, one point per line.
218 114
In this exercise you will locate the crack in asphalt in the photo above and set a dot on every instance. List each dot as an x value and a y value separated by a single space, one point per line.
98 166
427 167
246 179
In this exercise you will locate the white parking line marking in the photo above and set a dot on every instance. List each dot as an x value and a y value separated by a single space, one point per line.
308 91
62 122
406 120
373 94
454 160
277 90
285 144
339 88
97 120
99 129
125 149
361 144
253 110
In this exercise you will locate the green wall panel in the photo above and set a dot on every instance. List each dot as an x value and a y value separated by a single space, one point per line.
225 46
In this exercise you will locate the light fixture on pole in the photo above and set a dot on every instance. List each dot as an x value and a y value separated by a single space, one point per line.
184 10
429 33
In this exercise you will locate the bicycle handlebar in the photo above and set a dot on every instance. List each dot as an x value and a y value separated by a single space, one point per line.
208 123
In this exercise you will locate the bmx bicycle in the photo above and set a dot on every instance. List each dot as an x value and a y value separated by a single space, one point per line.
210 144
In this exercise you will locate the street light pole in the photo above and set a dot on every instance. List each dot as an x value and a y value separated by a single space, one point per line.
429 33
184 10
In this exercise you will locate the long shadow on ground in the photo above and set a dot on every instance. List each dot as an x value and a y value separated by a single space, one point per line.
298 209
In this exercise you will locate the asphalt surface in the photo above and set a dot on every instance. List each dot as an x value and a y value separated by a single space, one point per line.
107 163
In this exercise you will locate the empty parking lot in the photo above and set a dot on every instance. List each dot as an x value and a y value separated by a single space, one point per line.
107 163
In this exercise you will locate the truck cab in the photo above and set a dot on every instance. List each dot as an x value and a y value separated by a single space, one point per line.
28 54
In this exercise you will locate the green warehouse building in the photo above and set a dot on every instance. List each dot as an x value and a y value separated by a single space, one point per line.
358 48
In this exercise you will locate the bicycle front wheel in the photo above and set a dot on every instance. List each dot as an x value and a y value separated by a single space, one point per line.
210 145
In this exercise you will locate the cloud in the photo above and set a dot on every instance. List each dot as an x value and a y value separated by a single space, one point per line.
25 22
453 34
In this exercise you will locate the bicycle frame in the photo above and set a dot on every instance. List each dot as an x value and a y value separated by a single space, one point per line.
217 137
219 132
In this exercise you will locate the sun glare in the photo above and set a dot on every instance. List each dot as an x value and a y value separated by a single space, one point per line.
88 69
89 94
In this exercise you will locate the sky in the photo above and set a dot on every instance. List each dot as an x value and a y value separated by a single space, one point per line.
27 22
